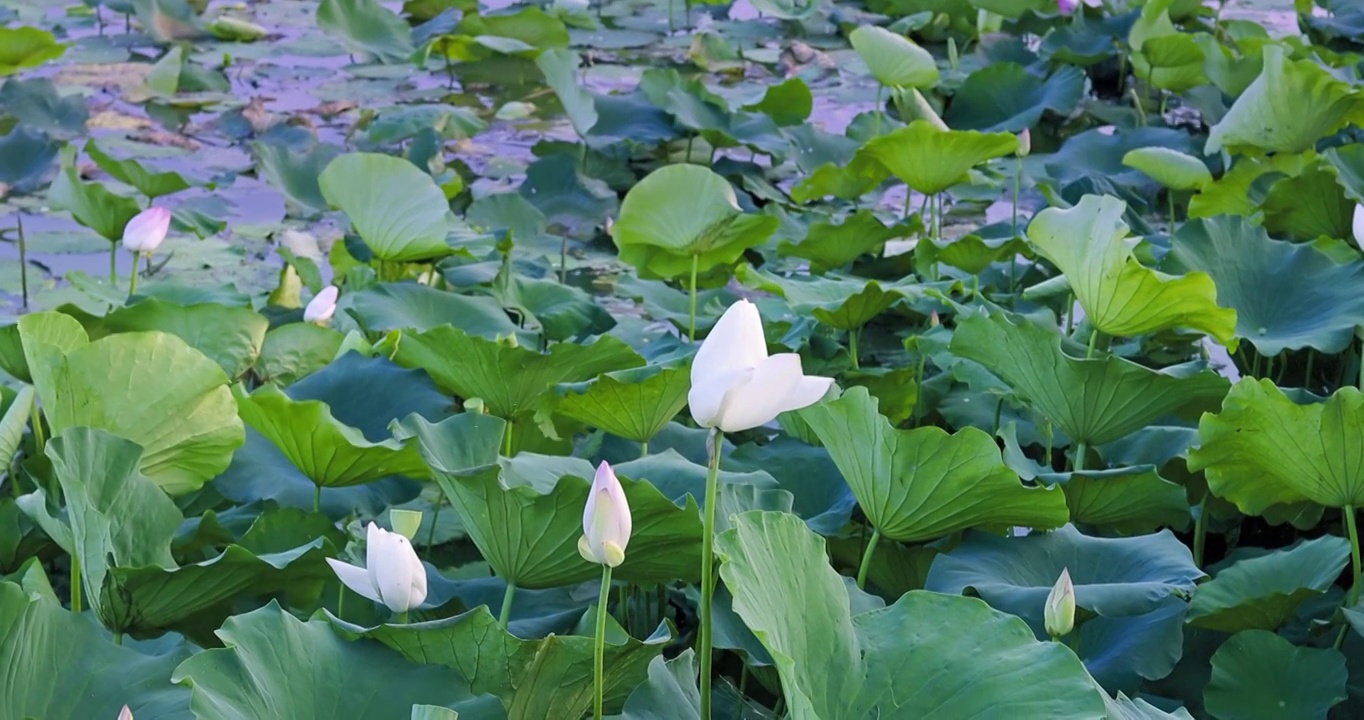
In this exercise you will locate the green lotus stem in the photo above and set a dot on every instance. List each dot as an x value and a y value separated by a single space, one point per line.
1018 173
1269 366
507 441
341 603
132 282
1049 434
644 449
23 257
853 336
671 27
36 416
691 328
504 616
743 680
75 583
563 259
1136 103
1070 312
113 265
1093 338
690 139
435 515
599 649
118 638
708 567
876 125
1354 553
1170 200
1200 531
866 559
1078 463
317 498
401 619
1307 375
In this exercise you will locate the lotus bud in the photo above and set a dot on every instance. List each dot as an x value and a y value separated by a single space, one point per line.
322 307
144 233
1024 143
736 386
126 713
1066 7
1358 226
606 520
1059 614
405 522
393 574
934 320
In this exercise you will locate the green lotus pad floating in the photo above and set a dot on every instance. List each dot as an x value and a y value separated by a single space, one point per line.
1257 669
1262 592
1090 244
550 677
894 59
634 404
26 47
148 387
1170 168
1263 449
396 209
834 664
931 160
924 483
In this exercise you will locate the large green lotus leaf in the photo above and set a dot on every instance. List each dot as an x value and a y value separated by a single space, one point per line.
511 380
1126 708
1287 296
846 303
1264 449
1120 296
276 666
149 387
678 213
1161 54
91 204
26 47
1005 97
1114 577
828 245
60 666
1263 592
931 160
525 513
1257 675
974 251
26 158
560 67
294 172
366 26
846 180
150 183
295 351
559 312
1095 401
364 393
894 59
41 109
232 337
122 527
669 693
1239 191
397 209
1170 168
634 404
1126 500
327 451
903 661
1309 205
546 678
1093 158
922 484
1289 107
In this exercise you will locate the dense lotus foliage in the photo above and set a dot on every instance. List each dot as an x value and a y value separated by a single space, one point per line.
811 359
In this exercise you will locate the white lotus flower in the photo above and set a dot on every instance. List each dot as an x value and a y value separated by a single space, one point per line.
606 520
736 386
144 233
1358 226
323 305
393 574
1059 612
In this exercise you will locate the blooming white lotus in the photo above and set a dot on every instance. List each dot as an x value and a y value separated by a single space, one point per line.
144 233
393 574
736 386
606 520
1358 226
1059 613
322 307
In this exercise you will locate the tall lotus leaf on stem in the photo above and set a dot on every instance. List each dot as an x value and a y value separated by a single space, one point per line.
393 574
606 532
143 235
735 386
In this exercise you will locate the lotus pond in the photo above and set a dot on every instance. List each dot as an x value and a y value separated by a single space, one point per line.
671 360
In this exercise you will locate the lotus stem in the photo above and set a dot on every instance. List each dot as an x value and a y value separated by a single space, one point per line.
1078 462
1354 553
1200 531
36 415
401 619
1070 312
341 603
132 283
507 440
435 515
853 336
504 616
113 265
563 259
866 559
1093 338
1170 200
644 449
599 650
23 259
317 498
695 265
76 584
708 567
118 638
876 125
